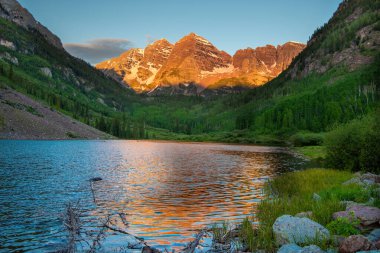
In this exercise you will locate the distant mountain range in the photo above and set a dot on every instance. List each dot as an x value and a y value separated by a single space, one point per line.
196 61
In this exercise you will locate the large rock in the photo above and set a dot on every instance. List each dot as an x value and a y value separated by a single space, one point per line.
289 248
374 235
355 243
294 248
366 214
289 229
311 249
366 179
46 72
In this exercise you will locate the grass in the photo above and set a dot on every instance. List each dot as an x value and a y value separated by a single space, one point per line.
312 152
291 194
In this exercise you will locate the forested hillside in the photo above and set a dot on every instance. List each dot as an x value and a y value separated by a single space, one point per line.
333 81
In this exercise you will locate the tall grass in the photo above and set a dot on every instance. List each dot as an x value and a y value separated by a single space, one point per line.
292 193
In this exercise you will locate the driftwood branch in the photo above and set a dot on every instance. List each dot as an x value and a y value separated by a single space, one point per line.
190 248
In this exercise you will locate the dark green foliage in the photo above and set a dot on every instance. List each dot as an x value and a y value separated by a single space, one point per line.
355 146
306 139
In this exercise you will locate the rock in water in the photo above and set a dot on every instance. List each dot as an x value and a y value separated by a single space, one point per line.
289 248
289 229
354 243
94 179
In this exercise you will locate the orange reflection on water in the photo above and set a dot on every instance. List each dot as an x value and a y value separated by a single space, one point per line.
168 190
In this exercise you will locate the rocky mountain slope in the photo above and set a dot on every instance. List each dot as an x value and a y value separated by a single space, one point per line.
24 118
351 38
193 59
33 62
14 12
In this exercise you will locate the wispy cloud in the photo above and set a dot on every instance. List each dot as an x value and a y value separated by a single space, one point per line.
95 51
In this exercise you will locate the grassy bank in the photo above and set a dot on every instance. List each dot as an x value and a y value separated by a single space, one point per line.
292 193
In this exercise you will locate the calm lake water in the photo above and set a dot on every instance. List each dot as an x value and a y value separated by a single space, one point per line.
166 189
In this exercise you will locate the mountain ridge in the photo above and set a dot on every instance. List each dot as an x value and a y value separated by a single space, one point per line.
194 59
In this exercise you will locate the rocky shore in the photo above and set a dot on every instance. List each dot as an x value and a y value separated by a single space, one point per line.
355 229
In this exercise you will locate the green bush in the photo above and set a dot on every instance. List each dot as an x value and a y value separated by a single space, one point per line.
306 139
344 226
355 146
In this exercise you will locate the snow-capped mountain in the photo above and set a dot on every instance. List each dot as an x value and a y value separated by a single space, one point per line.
193 59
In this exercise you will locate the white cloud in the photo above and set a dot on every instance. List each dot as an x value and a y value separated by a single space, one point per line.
95 51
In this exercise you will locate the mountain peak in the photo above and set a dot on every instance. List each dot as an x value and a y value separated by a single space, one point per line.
196 38
14 12
162 41
193 59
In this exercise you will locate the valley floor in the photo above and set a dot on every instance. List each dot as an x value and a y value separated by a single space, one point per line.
24 118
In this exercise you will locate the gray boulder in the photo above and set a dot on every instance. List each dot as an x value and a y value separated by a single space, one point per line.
289 248
46 72
374 235
288 229
366 214
311 249
294 248
355 243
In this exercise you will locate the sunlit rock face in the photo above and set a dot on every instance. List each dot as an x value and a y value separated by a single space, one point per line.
193 59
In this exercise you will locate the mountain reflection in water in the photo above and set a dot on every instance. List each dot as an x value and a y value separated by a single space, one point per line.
167 189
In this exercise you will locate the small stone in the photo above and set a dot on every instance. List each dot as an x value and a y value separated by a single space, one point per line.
316 197
370 177
354 243
289 248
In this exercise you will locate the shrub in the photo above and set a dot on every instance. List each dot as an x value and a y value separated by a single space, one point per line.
344 226
306 139
355 146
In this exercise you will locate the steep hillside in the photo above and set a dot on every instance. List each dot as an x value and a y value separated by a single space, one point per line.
24 118
334 80
33 62
193 59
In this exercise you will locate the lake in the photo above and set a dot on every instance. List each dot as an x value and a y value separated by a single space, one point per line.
166 189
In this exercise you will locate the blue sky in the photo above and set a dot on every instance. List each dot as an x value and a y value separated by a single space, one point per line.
229 25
